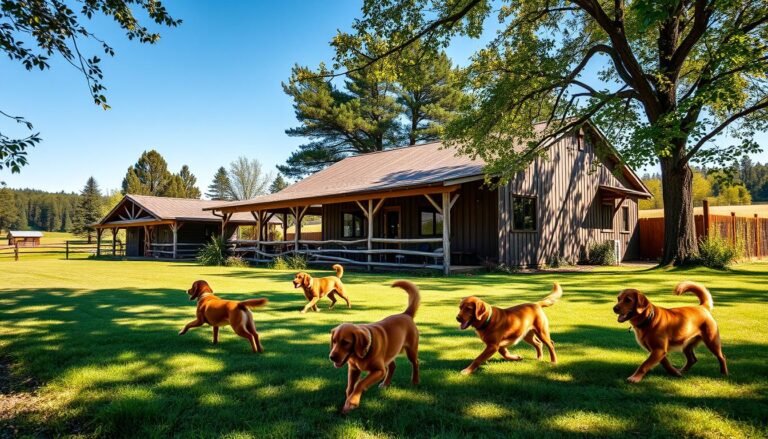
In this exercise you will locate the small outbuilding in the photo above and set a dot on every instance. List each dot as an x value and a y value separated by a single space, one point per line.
174 228
24 238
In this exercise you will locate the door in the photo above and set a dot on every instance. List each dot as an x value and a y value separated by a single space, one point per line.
392 223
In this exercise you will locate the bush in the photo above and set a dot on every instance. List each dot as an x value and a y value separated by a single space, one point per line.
236 261
602 253
292 262
213 253
716 252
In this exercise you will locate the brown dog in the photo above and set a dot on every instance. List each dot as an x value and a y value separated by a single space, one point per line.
219 312
373 348
660 330
499 328
316 289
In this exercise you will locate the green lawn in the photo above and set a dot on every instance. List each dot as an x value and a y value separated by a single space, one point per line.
101 339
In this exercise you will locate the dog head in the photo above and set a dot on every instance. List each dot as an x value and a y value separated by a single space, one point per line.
198 287
471 310
347 340
302 280
630 303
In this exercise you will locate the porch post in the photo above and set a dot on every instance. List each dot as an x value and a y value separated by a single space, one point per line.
370 233
114 240
285 227
174 230
446 233
99 231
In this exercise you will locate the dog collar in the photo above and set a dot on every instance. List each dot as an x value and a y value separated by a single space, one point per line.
647 320
370 342
487 321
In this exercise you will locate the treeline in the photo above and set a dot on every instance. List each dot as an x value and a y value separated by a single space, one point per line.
24 209
754 176
719 187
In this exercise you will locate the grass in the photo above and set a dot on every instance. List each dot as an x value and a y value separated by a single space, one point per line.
100 338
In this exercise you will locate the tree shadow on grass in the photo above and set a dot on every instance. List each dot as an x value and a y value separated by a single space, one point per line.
114 359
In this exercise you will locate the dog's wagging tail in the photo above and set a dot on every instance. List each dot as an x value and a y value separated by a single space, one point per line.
414 298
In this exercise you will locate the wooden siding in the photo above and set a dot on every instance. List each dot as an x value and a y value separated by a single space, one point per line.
474 221
568 202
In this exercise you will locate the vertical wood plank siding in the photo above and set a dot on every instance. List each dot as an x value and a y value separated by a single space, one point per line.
568 204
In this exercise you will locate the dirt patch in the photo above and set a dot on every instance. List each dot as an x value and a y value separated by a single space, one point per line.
18 398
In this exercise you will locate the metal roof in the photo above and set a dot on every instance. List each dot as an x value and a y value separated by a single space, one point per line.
25 234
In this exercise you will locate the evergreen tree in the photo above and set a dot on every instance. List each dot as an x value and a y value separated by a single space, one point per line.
278 184
175 188
89 210
220 188
8 213
149 176
189 182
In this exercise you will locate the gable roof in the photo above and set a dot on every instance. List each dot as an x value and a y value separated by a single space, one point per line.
169 209
430 164
25 234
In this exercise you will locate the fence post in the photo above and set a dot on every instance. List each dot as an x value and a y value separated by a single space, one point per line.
733 227
16 250
757 237
706 218
67 252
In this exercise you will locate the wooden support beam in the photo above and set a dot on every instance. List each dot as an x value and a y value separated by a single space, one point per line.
616 207
706 218
446 233
432 202
98 241
454 199
365 211
175 230
114 240
369 215
285 227
378 206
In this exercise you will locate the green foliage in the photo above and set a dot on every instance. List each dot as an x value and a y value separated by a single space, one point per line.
602 253
89 210
236 261
9 217
214 252
654 187
290 262
32 32
716 252
247 179
278 184
150 176
220 188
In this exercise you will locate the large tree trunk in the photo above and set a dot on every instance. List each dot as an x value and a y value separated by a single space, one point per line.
679 228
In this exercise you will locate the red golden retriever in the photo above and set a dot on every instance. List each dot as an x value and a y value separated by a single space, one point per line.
219 312
316 289
661 330
373 348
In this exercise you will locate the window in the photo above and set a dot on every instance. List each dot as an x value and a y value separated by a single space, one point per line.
523 214
606 216
352 224
625 218
431 223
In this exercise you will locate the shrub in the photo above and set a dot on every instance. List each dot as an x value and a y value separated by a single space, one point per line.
213 253
292 262
555 261
236 261
601 253
716 252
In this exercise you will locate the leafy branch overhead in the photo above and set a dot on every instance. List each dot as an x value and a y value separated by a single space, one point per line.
32 32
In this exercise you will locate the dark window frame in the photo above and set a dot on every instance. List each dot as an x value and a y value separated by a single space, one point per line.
435 214
625 227
607 221
513 225
356 216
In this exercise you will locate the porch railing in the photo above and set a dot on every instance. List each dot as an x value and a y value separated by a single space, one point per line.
184 250
344 251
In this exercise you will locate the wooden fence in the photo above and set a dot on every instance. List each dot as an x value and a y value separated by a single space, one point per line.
67 250
750 234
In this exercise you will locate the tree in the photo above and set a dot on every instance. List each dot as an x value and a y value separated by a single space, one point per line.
189 182
278 184
9 217
654 187
220 188
149 176
674 76
734 195
33 31
247 179
88 211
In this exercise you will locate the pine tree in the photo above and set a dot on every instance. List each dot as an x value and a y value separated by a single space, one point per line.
220 188
8 212
189 182
175 188
88 210
149 176
278 184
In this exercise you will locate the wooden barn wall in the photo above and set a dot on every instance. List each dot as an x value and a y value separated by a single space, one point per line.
474 221
565 185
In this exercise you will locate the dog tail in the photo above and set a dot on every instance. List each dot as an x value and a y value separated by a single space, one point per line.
705 298
414 298
553 297
252 303
339 270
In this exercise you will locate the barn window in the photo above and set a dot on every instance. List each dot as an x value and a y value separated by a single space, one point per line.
352 225
523 214
431 223
606 216
625 218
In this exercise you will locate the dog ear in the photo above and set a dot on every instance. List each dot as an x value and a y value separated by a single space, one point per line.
641 302
306 280
481 309
361 342
333 335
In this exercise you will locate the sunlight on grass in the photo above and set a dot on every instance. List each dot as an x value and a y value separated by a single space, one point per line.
588 422
311 384
243 380
702 422
213 399
486 410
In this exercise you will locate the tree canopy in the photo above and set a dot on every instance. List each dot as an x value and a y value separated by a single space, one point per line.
672 77
220 188
247 179
31 32
88 211
278 184
150 176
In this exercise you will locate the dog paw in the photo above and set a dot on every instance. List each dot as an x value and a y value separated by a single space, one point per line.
348 407
467 371
634 379
182 332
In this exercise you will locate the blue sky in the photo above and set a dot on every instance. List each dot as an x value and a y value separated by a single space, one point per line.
208 92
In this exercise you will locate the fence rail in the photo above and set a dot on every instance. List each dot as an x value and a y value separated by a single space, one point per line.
749 234
65 249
